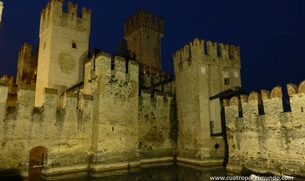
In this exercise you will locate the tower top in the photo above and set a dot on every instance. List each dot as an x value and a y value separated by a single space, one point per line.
143 20
53 14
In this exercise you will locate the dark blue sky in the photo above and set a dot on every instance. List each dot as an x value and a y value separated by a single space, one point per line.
270 33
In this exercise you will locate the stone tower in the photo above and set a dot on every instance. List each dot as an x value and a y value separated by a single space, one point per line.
1 9
201 73
27 65
143 32
64 41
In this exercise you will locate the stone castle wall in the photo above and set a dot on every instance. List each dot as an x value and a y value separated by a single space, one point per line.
125 122
270 139
100 125
115 111
120 114
65 133
155 125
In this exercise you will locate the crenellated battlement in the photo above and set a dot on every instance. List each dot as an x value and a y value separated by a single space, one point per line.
265 102
154 82
26 97
155 94
105 61
155 79
254 96
143 20
268 103
53 14
113 68
209 53
25 50
297 102
148 70
53 128
258 129
154 101
7 79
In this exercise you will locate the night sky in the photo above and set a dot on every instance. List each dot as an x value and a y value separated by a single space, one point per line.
270 33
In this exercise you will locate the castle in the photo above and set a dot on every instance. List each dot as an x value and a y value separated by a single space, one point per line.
70 113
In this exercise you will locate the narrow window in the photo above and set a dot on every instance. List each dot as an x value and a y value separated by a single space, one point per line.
260 104
73 45
227 81
148 37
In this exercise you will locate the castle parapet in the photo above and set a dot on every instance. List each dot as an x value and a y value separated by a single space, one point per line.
53 14
143 20
214 53
7 79
154 78
156 97
104 64
272 101
259 103
270 135
104 61
148 70
69 101
26 50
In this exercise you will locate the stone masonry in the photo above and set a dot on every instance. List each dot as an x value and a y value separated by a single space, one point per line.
269 140
106 112
200 75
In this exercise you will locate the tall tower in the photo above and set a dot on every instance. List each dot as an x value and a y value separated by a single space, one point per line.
64 41
1 9
206 72
143 32
27 65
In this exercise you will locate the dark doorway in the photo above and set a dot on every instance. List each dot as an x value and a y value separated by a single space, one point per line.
36 162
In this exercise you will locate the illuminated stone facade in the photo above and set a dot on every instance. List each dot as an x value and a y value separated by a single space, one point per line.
104 113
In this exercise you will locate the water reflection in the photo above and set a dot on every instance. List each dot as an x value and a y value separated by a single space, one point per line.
147 173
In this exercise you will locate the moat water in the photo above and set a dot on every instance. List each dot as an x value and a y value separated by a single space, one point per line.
147 173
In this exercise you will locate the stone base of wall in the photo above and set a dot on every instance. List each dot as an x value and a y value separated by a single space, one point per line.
238 169
114 166
99 167
157 161
196 162
235 169
274 165
96 168
65 169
